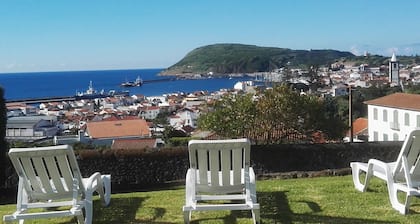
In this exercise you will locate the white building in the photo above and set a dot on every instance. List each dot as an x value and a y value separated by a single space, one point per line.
184 117
392 117
149 112
30 128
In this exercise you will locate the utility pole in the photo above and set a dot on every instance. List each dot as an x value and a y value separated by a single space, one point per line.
351 114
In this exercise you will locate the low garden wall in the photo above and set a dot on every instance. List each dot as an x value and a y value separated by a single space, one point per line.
132 170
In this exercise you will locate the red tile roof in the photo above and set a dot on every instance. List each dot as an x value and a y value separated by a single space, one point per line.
119 128
360 125
398 100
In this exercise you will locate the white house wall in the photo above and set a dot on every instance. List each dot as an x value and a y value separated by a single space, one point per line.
391 129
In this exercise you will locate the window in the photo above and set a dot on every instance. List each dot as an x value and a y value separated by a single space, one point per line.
385 137
406 119
375 114
395 137
396 116
385 115
375 136
418 121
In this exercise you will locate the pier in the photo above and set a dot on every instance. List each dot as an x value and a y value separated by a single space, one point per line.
159 80
42 99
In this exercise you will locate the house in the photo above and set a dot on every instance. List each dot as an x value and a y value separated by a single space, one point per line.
105 132
340 90
392 117
30 128
149 112
360 130
19 109
184 117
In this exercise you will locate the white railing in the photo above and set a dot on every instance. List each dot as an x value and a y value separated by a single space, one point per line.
394 125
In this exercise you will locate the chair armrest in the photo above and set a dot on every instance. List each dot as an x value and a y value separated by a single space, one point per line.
93 182
376 162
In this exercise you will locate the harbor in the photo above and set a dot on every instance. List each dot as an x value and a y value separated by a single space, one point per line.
55 86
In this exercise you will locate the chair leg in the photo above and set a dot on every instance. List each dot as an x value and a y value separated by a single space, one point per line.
356 171
80 219
402 208
187 217
256 216
105 191
88 210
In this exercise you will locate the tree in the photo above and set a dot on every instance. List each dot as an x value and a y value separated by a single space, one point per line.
232 116
276 115
162 118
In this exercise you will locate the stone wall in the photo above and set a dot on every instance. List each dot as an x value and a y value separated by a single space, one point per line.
137 171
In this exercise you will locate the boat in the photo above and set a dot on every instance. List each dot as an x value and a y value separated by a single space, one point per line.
137 82
91 93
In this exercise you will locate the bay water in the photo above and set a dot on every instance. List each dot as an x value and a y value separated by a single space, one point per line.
68 83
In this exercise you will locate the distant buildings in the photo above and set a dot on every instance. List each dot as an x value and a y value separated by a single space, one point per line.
121 120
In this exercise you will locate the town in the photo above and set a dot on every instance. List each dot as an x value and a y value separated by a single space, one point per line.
139 122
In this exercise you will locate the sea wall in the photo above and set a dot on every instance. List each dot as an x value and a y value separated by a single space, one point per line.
134 170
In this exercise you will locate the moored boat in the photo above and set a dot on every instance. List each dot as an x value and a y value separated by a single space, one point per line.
137 82
91 93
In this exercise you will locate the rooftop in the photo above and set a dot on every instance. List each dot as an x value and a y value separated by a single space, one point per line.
398 100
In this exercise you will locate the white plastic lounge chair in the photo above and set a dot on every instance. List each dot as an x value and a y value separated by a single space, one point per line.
403 175
220 171
49 177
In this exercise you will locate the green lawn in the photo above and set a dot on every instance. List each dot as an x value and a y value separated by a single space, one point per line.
304 200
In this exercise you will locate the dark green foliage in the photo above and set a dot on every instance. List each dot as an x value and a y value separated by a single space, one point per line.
171 132
240 58
162 118
179 141
3 143
232 116
276 115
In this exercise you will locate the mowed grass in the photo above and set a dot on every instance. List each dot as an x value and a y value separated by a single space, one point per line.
304 200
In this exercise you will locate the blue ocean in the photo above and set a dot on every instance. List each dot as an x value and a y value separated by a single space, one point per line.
52 84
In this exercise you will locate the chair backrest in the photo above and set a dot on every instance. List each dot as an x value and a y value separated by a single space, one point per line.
410 152
47 172
220 166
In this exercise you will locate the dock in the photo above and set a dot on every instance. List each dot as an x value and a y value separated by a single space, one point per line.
42 99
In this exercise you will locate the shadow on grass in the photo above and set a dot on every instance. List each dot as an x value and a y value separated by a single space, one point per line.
120 210
124 210
275 209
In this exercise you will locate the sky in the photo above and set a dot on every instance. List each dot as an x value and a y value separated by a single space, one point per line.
66 35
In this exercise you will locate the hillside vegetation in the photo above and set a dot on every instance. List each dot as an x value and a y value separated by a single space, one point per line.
240 58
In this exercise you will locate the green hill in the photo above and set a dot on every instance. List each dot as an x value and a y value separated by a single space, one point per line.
378 60
240 58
